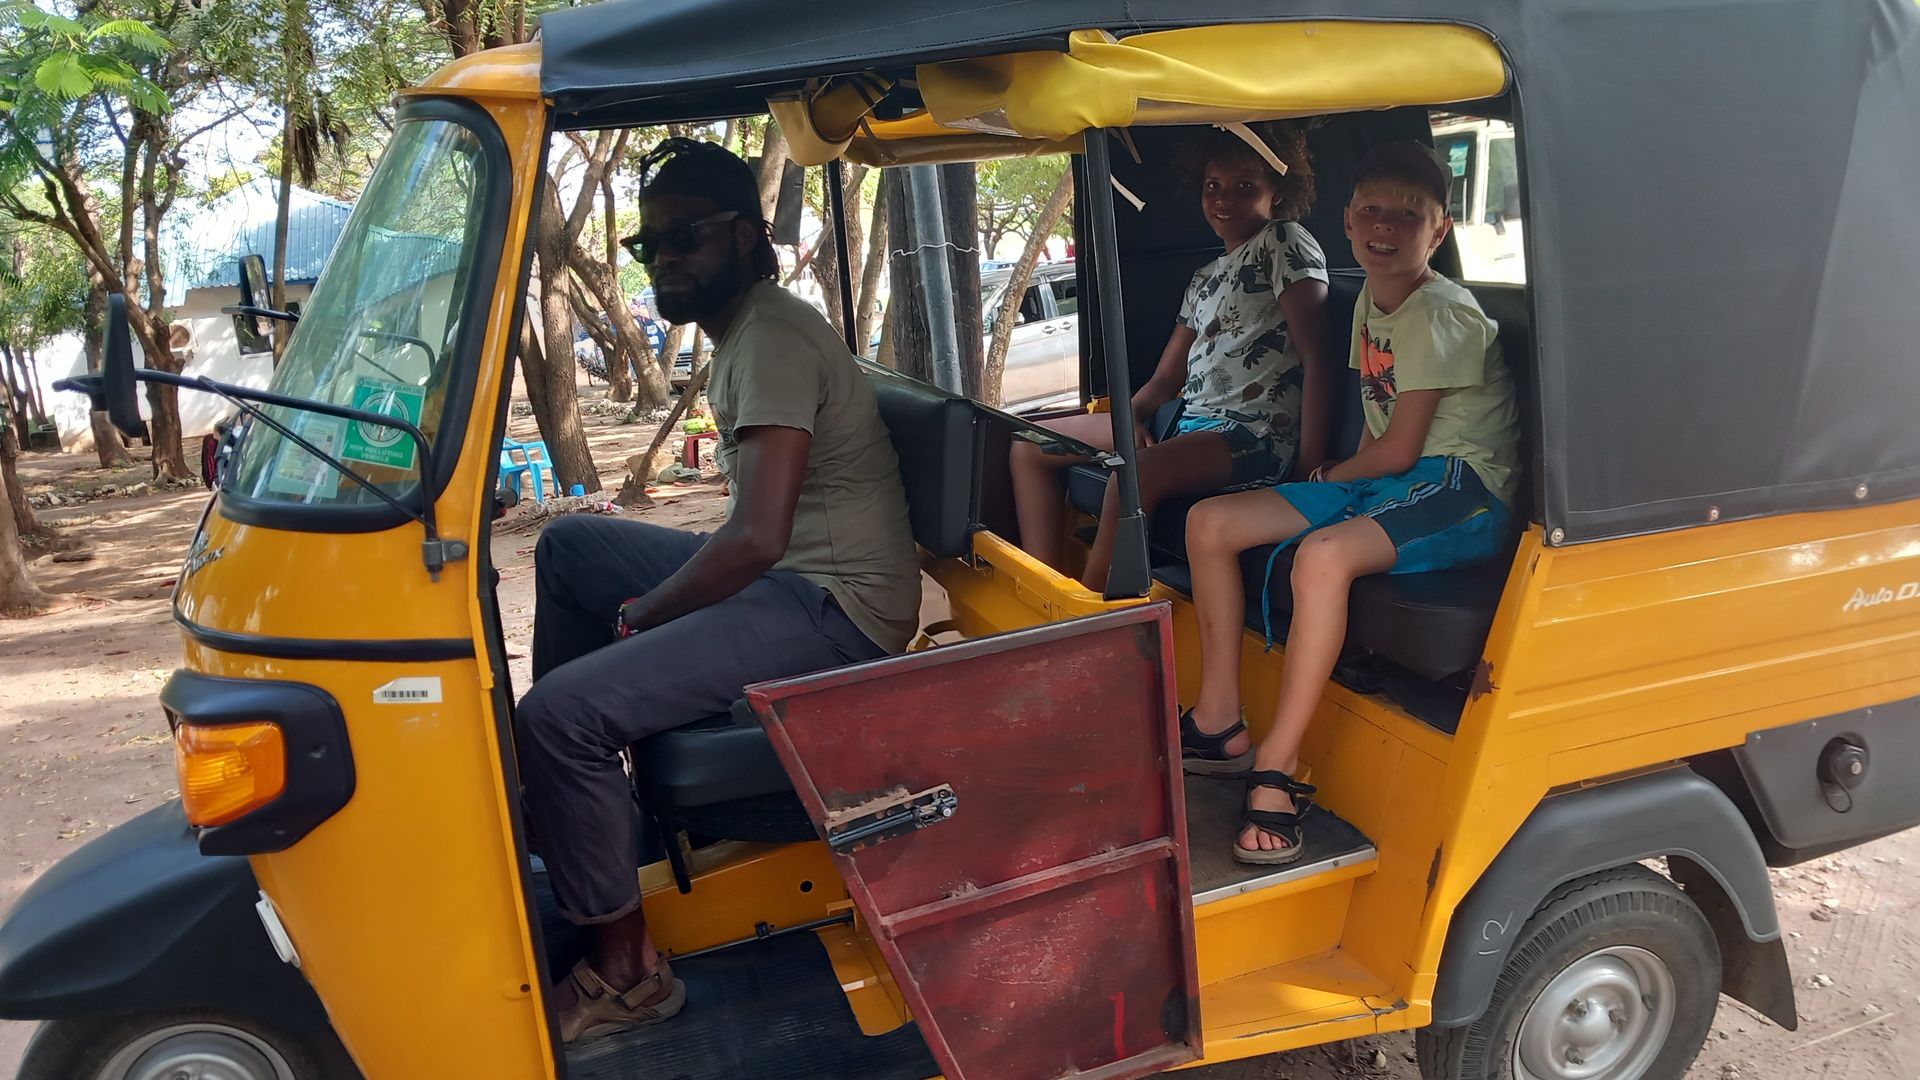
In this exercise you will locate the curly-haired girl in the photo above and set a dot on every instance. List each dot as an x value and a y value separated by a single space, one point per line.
1248 354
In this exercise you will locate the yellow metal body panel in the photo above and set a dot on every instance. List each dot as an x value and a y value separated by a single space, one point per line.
406 906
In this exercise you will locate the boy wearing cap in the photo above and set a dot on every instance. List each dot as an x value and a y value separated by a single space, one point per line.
639 628
1430 487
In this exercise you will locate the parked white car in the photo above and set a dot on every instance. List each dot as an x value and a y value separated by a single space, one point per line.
1043 357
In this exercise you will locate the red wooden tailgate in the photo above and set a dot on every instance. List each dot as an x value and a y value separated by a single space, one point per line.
1008 815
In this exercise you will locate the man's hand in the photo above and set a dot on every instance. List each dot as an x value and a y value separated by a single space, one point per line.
770 465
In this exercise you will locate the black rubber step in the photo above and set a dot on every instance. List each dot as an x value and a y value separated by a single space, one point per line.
1213 821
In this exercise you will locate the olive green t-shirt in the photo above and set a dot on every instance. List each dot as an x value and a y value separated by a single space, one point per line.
782 365
1441 340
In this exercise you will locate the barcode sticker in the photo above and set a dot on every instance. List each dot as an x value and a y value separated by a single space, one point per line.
412 690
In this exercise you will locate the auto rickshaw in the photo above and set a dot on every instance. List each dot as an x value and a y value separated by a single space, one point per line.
1552 787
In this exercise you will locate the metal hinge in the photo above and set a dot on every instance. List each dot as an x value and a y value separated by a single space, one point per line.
891 813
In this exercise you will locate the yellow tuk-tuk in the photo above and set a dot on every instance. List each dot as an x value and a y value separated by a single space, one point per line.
1550 787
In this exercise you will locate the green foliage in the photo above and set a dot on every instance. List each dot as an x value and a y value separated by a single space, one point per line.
1013 191
54 68
68 59
43 286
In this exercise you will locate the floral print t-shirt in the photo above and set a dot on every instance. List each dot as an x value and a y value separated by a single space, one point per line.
1243 366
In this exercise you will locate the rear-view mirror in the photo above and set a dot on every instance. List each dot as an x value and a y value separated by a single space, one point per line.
790 205
116 372
254 290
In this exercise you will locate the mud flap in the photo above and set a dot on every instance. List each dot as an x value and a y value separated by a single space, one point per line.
1009 817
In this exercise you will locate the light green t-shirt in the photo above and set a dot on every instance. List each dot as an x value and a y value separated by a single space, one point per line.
1441 340
782 365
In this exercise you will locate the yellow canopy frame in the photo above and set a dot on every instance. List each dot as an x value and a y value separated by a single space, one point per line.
1041 102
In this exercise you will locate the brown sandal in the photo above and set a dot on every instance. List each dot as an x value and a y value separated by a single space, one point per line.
600 1009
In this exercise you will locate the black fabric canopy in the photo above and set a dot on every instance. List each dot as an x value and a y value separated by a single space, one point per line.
1722 245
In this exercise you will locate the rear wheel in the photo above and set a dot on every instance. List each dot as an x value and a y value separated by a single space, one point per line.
1616 977
180 1046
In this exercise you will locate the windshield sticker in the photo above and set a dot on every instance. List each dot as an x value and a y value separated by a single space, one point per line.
412 690
376 444
300 474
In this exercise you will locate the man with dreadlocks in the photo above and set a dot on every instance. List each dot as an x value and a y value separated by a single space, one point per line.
639 628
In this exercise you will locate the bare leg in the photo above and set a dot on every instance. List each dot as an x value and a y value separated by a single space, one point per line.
1218 530
1040 484
1323 574
1183 465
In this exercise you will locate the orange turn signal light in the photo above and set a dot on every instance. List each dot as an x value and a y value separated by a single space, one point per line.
228 770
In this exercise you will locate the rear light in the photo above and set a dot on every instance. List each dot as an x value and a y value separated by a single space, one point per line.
228 770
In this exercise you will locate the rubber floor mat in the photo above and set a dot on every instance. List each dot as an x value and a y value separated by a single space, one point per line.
772 1010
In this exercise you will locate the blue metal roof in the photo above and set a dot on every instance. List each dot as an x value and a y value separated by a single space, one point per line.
202 247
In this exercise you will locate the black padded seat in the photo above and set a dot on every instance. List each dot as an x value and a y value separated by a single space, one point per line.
1433 625
718 759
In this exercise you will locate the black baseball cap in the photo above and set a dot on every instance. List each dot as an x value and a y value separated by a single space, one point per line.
710 171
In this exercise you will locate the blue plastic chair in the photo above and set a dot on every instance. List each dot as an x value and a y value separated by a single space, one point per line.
533 462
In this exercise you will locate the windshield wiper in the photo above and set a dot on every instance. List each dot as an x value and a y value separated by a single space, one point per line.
435 552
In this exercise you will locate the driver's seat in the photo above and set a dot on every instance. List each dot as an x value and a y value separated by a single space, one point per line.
719 778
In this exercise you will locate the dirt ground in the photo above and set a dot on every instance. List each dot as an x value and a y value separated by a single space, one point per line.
83 747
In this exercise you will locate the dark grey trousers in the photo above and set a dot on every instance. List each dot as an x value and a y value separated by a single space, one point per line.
594 694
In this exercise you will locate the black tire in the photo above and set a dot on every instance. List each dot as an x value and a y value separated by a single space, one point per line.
1628 906
78 1049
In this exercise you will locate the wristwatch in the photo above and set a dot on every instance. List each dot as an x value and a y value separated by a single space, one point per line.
620 628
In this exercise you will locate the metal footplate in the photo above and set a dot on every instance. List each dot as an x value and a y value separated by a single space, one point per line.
887 815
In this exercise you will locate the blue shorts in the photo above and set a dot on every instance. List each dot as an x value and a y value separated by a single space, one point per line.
1438 514
1257 462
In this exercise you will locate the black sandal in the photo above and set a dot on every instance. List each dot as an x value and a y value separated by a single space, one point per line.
1275 823
1206 755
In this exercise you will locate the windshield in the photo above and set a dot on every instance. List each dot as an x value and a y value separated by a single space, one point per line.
379 333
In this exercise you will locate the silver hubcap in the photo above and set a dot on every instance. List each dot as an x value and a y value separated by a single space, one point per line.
1605 1017
197 1052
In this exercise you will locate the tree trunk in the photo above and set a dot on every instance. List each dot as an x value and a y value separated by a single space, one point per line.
670 349
11 379
18 594
996 361
550 380
911 338
36 397
773 165
163 427
107 446
826 271
23 519
652 389
642 467
281 215
886 355
867 299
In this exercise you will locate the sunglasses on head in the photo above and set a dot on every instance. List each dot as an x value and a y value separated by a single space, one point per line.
681 239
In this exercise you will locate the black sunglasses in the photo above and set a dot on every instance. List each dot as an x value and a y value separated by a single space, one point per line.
681 239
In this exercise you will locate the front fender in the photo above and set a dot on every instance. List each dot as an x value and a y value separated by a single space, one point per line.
1712 854
139 920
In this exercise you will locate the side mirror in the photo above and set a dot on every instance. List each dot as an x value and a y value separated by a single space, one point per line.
116 371
790 204
254 290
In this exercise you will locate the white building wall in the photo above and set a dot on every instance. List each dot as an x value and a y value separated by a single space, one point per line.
214 352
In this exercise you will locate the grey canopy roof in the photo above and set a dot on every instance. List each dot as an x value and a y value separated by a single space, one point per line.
1722 242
